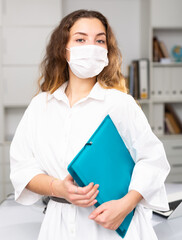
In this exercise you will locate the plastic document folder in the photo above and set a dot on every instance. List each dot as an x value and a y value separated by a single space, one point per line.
105 160
175 210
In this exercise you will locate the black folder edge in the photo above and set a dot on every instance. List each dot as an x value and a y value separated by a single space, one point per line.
169 212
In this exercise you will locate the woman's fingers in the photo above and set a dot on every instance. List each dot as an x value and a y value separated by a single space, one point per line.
89 195
69 178
78 190
81 196
85 199
91 201
81 190
86 202
85 190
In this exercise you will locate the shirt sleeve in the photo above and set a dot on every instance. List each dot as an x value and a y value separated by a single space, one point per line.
23 164
151 165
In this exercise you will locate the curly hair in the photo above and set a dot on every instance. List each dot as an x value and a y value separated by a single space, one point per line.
54 67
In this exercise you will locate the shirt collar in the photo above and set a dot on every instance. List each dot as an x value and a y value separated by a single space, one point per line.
97 92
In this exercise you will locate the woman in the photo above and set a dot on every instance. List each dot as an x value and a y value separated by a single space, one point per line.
81 83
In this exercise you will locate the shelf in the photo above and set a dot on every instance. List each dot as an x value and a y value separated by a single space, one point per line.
166 14
143 101
172 64
167 100
23 105
170 137
5 143
165 78
164 28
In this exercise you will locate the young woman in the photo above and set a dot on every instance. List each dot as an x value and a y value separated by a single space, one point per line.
81 83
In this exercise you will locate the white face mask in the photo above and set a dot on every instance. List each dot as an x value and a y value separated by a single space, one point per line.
87 61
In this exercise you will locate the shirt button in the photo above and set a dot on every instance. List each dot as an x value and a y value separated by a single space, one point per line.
72 230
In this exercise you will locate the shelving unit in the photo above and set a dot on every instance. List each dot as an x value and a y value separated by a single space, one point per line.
166 79
21 28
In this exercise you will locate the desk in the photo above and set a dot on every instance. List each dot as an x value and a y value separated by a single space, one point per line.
168 229
18 222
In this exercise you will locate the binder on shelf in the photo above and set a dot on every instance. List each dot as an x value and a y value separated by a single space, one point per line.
139 79
131 79
176 83
158 118
135 79
143 65
105 160
159 88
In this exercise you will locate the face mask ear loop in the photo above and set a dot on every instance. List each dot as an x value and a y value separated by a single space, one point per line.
68 50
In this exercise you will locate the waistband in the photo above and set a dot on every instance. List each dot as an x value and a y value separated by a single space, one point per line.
60 200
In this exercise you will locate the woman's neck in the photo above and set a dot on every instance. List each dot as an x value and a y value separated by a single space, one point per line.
78 88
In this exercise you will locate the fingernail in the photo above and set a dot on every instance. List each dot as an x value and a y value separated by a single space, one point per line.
91 216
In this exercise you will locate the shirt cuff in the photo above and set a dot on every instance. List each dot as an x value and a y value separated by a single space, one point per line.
23 195
150 184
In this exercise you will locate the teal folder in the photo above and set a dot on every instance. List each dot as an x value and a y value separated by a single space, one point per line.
105 160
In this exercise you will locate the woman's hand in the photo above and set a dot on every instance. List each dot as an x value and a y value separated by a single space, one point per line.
111 214
80 196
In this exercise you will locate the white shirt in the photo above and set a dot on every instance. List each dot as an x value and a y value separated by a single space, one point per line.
51 133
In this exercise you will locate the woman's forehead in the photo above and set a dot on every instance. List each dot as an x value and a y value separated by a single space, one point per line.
88 26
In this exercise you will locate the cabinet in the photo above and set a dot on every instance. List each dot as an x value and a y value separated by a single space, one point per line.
23 37
166 79
173 147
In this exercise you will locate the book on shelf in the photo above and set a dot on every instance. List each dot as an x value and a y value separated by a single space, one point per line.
130 79
164 49
139 79
135 80
132 83
171 124
160 52
172 121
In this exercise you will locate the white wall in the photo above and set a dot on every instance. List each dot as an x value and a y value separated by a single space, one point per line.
25 27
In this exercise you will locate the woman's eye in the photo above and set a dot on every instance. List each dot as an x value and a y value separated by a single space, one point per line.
101 41
80 40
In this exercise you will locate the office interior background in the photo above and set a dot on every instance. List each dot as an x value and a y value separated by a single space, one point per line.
25 28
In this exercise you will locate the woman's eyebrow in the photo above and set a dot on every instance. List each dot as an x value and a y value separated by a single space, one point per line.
80 33
85 34
102 33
